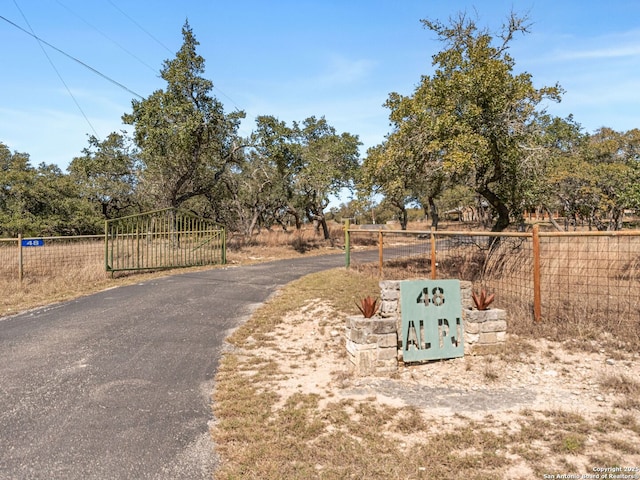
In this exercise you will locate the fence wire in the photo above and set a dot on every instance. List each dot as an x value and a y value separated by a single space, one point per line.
583 275
48 256
591 277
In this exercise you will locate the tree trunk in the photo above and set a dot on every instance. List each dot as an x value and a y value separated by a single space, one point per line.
325 228
252 224
294 213
435 218
552 220
502 222
403 219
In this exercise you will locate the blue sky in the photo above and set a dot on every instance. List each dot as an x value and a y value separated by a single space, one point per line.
291 59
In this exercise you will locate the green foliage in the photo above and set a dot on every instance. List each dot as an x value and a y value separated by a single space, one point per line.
303 165
107 176
40 201
596 178
383 172
186 140
471 133
473 122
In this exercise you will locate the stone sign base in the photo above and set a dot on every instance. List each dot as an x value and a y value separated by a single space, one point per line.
484 330
372 343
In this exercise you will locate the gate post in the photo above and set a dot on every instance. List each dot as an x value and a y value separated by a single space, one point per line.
347 244
380 253
537 297
432 236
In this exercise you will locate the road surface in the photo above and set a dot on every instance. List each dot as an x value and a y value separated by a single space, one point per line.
117 385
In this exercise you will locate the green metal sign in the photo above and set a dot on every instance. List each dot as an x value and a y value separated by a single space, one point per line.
431 320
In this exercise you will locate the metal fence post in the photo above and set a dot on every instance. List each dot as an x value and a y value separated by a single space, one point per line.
433 256
20 264
106 247
224 246
347 244
537 298
380 253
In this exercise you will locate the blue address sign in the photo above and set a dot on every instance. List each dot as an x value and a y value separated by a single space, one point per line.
33 242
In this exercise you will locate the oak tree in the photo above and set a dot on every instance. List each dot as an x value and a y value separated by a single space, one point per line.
475 117
186 139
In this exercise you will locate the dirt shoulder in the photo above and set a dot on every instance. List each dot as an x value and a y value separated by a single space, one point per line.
551 408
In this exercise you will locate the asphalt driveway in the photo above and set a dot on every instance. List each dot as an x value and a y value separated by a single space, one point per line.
117 385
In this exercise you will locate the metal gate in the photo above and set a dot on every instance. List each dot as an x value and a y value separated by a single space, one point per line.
168 238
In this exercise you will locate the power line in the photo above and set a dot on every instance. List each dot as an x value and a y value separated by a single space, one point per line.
140 27
57 72
97 72
133 55
131 19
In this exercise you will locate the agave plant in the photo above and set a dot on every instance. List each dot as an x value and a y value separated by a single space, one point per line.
368 306
483 300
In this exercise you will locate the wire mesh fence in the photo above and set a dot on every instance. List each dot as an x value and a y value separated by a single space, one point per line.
591 276
48 256
580 277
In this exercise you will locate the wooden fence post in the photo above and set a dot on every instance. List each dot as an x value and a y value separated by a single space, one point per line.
537 298
20 264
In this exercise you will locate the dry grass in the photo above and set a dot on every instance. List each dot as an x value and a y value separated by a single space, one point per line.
265 432
590 285
53 273
260 435
65 269
313 436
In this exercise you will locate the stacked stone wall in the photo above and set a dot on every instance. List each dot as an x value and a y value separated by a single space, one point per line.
373 345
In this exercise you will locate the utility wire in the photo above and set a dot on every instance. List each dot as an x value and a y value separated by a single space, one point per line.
133 55
164 46
140 27
73 58
57 72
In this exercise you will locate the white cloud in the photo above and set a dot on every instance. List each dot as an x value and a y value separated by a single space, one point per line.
602 47
343 71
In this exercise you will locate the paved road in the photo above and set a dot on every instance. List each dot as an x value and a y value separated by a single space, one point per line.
117 385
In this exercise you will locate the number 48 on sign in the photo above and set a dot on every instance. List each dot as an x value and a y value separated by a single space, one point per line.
33 242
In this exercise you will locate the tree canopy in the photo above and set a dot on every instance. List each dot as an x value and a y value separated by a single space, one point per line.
473 133
185 138
474 119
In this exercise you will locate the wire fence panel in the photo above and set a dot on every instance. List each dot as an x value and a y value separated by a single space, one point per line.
9 267
495 263
591 276
583 276
48 256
